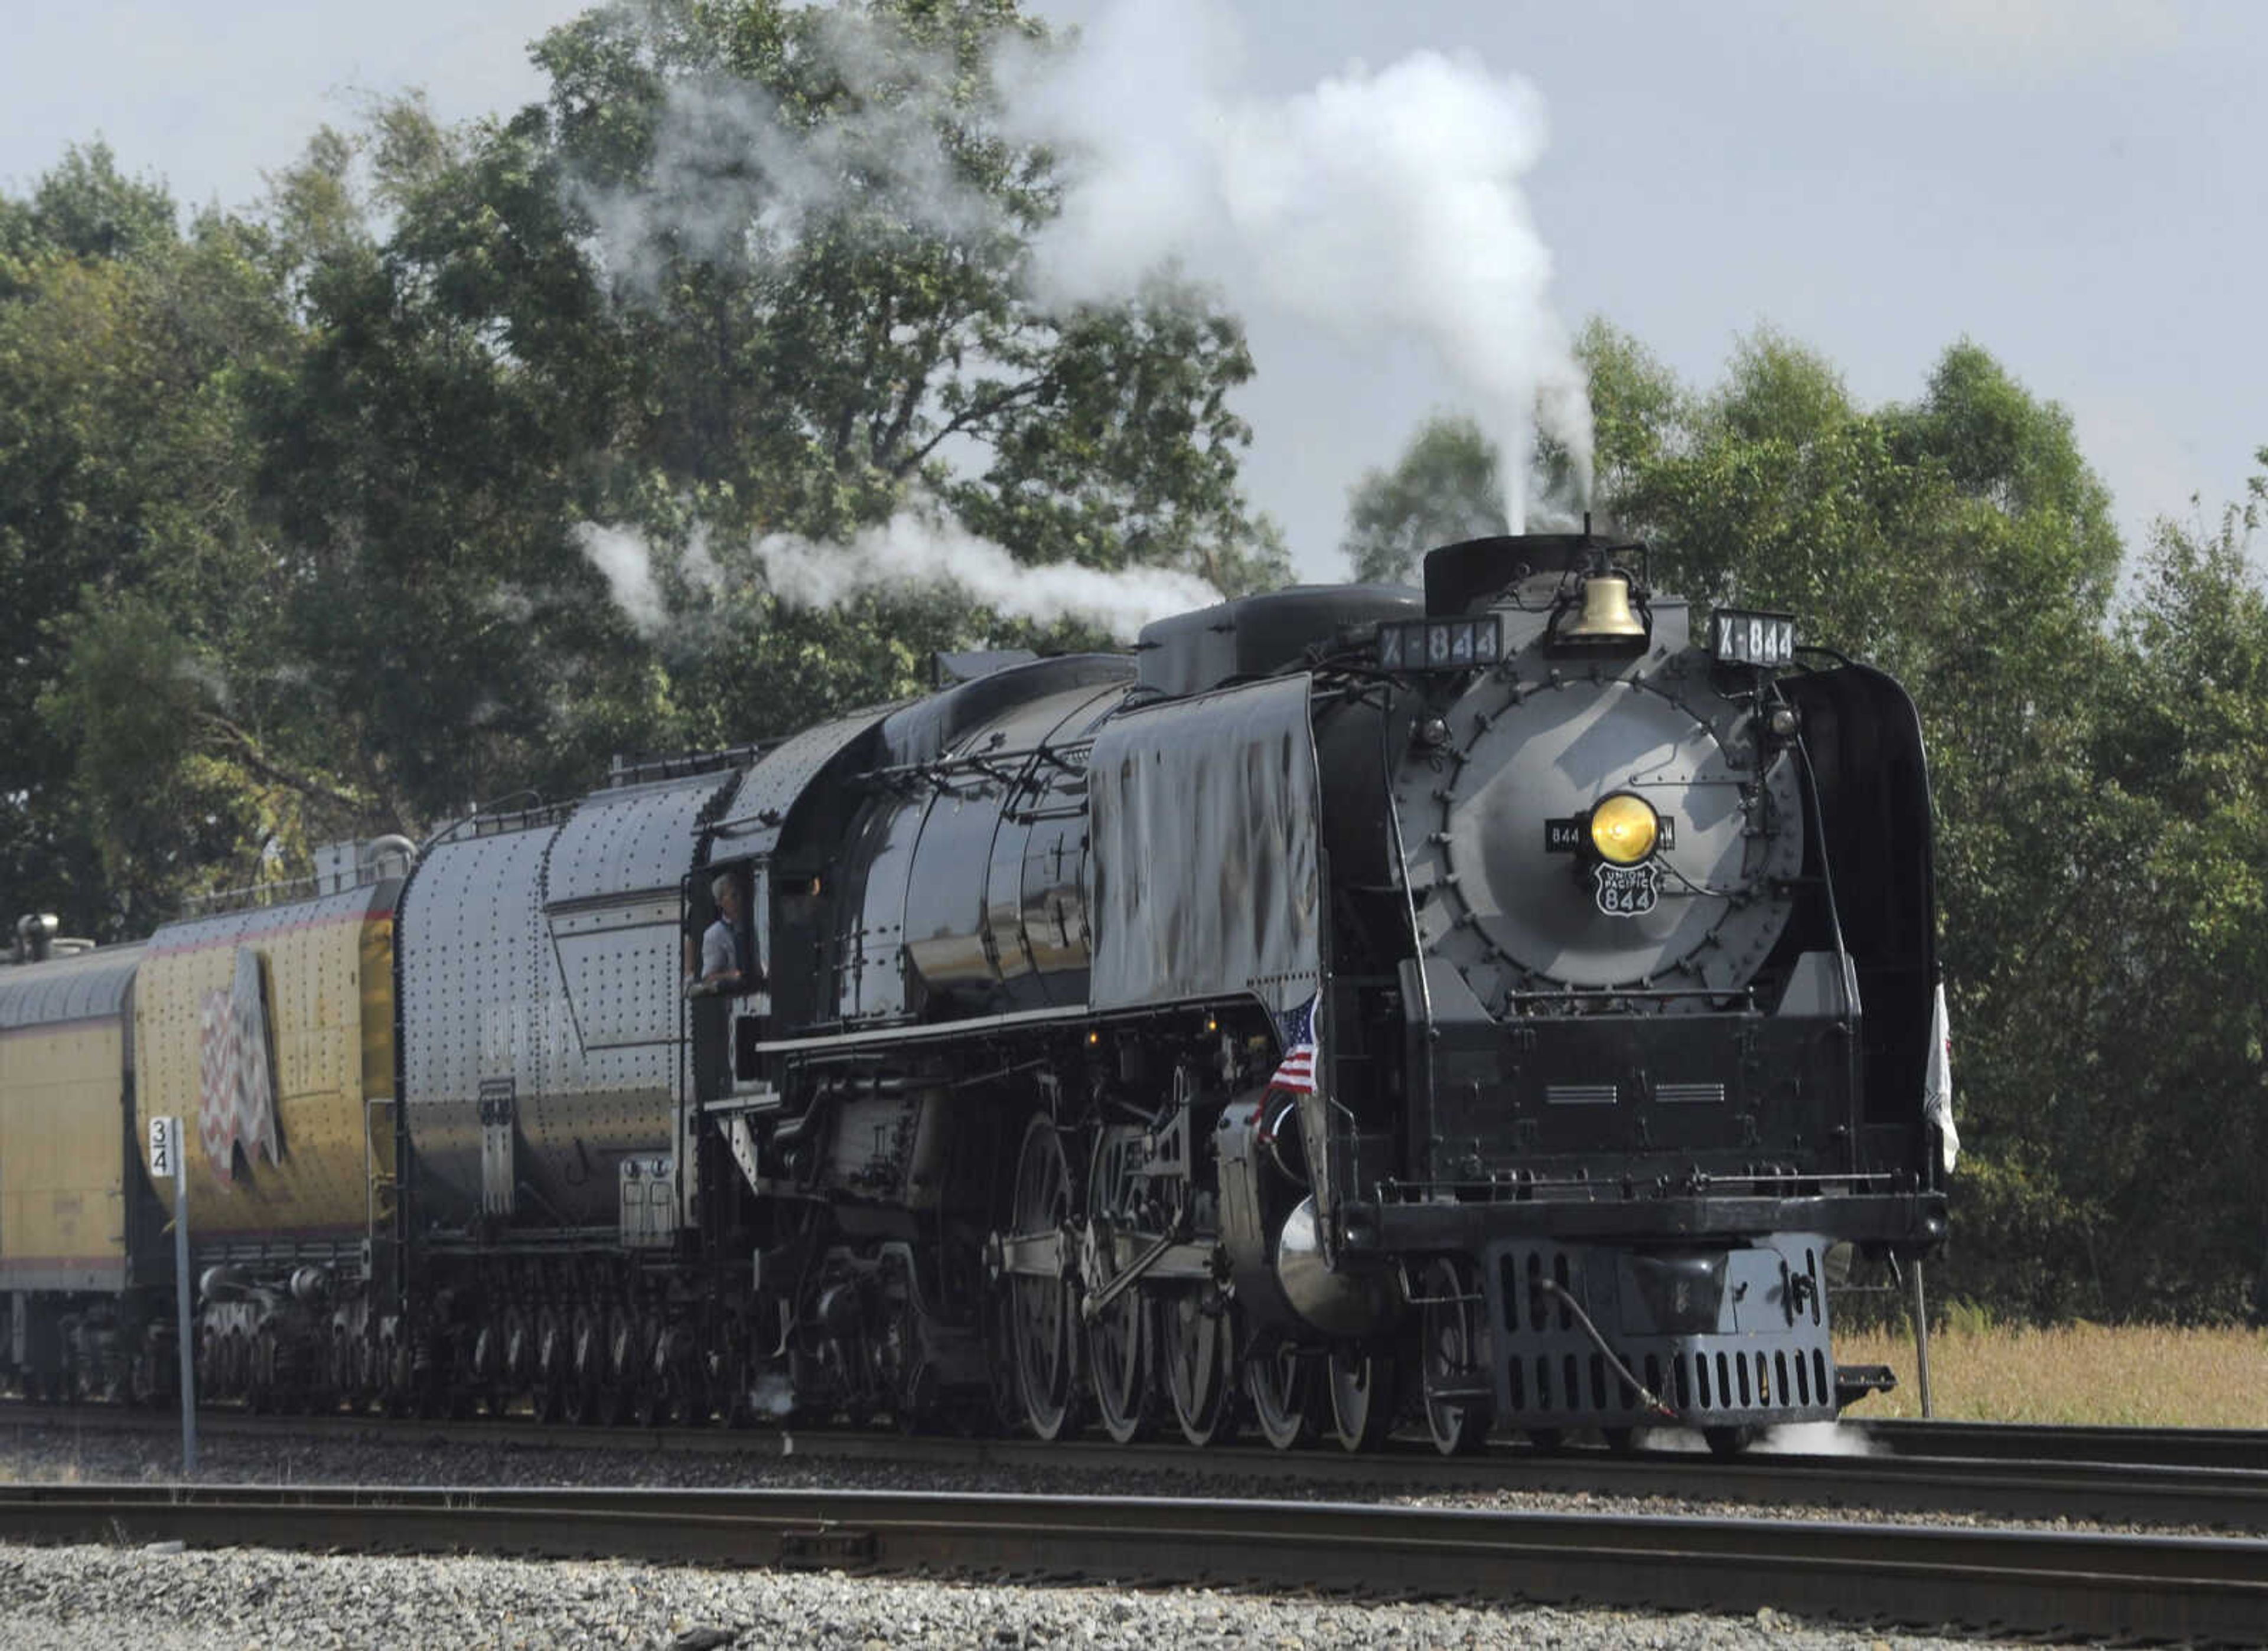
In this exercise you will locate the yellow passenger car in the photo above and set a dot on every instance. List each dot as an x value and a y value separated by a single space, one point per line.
65 1197
269 1033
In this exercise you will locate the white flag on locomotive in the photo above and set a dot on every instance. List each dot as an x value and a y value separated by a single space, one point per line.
1302 1052
1937 1085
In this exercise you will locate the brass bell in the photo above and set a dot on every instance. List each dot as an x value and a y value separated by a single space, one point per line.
1607 615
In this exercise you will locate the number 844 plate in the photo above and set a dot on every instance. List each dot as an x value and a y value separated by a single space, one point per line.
1629 890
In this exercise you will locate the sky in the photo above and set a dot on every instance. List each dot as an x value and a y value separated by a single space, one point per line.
2078 186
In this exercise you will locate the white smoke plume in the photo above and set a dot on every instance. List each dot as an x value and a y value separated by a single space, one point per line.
1381 205
735 176
1788 1438
622 557
1816 1438
918 548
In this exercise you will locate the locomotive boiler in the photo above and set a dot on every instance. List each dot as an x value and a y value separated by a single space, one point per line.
1483 1006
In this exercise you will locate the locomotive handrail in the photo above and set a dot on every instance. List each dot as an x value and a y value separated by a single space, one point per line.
1644 993
624 772
983 761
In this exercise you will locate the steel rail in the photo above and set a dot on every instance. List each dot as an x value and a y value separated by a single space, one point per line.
2115 1493
2244 1447
2096 1586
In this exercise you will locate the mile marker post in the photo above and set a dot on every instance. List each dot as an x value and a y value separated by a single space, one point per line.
165 1159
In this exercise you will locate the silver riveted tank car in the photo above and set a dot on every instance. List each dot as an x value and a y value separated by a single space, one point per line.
1485 1006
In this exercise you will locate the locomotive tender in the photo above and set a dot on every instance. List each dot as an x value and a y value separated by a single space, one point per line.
1485 1006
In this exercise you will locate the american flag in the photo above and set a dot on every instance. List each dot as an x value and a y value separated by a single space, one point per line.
1296 1071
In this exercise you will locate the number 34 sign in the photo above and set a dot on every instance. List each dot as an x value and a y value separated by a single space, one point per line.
164 1148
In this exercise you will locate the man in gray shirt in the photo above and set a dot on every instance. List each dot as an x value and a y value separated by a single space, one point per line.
728 961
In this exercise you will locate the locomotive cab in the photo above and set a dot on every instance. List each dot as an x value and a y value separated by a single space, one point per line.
727 1021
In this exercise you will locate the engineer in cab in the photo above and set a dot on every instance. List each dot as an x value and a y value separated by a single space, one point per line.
729 967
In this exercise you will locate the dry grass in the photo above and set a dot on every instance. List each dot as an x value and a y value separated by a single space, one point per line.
2136 1377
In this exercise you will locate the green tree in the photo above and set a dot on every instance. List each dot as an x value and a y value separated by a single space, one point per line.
751 269
128 352
1445 487
2154 1131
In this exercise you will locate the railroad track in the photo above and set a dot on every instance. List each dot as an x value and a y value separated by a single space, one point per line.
2104 1475
2245 1448
2189 1588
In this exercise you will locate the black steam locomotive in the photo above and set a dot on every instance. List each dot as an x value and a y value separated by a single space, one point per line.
1488 1006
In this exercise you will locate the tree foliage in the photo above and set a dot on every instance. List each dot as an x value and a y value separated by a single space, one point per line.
1445 487
306 488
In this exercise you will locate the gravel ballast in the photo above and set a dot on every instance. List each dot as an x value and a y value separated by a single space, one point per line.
163 1599
245 1597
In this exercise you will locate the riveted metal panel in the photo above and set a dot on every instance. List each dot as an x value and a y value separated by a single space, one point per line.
869 973
769 789
318 1014
1204 874
926 730
64 1182
632 839
542 984
468 985
614 968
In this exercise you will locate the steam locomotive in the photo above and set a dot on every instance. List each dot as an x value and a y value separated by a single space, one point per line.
1484 1008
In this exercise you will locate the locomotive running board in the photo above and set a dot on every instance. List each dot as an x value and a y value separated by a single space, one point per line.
886 1034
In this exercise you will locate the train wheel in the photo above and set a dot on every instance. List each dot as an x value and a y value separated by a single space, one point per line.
622 1388
259 1396
487 1372
1195 1347
693 1382
552 1374
1286 1401
1120 1338
586 1371
1457 1415
355 1379
1119 1361
1361 1390
394 1367
519 1354
1044 1294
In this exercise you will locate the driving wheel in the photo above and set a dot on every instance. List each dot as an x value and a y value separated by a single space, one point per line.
1454 1379
1119 1339
1361 1388
1194 1345
1285 1393
1043 1293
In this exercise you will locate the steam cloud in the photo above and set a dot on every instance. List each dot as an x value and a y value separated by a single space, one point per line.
736 177
1379 204
918 548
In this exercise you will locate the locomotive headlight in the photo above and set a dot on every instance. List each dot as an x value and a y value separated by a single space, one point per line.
1625 829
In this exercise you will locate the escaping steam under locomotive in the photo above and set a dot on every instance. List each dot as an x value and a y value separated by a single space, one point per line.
1485 1007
